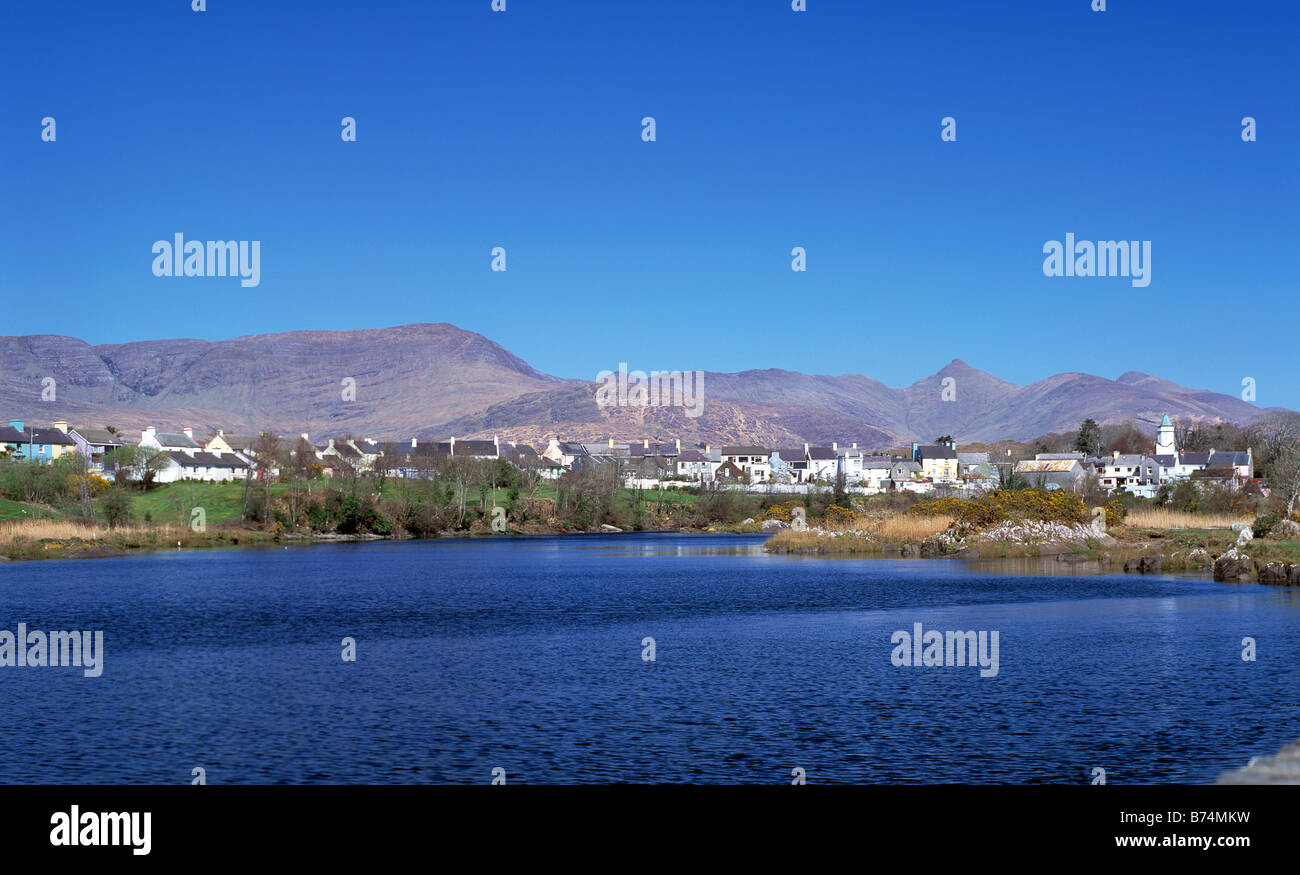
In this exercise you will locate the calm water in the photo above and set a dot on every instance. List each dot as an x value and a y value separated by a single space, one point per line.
526 655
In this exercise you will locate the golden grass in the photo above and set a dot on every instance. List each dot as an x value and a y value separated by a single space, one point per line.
1164 518
69 530
908 529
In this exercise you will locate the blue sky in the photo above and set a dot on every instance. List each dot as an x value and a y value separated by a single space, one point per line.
775 129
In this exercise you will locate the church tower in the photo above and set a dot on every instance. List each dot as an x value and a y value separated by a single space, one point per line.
1165 438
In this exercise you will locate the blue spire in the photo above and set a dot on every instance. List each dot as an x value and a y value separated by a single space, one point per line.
1165 420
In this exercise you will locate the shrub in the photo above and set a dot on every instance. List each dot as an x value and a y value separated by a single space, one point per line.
1116 511
1264 524
991 508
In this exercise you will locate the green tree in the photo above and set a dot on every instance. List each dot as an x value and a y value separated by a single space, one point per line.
1088 441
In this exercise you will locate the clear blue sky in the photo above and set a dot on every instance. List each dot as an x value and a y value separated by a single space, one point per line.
775 129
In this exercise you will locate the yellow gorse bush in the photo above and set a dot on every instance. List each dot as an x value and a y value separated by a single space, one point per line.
993 507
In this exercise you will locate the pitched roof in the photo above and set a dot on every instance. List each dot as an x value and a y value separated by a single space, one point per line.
174 439
101 437
206 460
744 451
821 453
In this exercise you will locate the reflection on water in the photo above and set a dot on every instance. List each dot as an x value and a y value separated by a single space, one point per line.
526 654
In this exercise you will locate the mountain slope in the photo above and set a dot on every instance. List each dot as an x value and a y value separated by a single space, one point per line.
435 380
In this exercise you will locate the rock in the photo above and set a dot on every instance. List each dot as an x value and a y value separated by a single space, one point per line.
103 551
770 525
1246 535
1234 567
1275 573
747 521
911 551
1237 527
4 558
1293 575
609 528
932 547
1199 556
1144 565
1285 529
1281 769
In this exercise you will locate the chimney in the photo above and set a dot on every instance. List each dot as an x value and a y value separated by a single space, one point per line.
304 436
677 442
1114 454
805 449
413 443
707 449
17 424
835 446
451 446
611 443
148 432
496 443
189 432
855 445
645 443
62 425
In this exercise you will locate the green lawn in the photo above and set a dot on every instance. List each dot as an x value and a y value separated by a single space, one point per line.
18 510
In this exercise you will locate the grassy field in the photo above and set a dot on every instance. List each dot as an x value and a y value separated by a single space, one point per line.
1163 518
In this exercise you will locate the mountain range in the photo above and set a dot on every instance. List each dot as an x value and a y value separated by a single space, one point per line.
437 380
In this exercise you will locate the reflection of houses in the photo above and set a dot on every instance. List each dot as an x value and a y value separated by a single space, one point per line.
1067 474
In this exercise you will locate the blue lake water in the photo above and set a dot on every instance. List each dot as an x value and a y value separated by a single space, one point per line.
526 655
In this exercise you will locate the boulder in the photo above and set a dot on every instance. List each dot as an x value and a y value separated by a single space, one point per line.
1245 536
1151 565
1285 529
1200 556
1275 573
1234 567
609 528
772 525
1131 566
911 551
932 547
